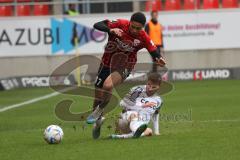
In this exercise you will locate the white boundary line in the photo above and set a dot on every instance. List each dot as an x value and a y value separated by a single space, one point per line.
35 100
29 102
219 120
204 121
67 89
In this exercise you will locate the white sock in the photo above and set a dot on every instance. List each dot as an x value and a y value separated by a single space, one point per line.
97 112
130 135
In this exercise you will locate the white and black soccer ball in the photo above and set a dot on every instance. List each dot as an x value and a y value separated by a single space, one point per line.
53 134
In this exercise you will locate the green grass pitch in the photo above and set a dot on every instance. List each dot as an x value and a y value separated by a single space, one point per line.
208 130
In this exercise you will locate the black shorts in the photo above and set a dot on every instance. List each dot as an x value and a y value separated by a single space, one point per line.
105 71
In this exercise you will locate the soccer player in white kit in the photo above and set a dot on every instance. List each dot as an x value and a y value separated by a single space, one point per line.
140 106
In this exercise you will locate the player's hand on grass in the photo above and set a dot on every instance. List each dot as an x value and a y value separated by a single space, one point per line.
161 62
116 31
157 134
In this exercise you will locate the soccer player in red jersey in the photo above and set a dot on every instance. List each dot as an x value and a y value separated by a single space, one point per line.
126 38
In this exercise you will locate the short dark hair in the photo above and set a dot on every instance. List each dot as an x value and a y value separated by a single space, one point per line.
153 11
138 17
155 78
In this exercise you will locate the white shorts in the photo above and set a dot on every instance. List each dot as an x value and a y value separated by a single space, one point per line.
123 122
141 116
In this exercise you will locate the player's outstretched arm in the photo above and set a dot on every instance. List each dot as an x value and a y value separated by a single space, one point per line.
158 58
149 45
102 26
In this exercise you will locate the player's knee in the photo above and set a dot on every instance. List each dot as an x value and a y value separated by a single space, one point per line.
108 86
132 117
122 126
148 132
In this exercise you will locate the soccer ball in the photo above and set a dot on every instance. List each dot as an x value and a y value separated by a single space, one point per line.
53 134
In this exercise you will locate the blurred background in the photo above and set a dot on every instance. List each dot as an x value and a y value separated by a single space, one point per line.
201 37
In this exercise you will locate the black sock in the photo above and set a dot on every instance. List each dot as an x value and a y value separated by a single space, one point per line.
103 104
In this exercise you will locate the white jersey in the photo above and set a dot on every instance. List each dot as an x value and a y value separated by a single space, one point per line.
138 100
